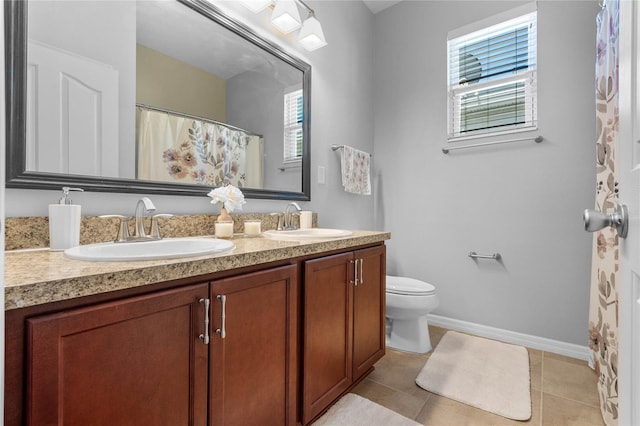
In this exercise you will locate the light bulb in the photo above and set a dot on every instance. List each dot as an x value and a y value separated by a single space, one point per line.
285 16
255 5
311 35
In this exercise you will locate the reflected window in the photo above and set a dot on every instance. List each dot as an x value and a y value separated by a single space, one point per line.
293 118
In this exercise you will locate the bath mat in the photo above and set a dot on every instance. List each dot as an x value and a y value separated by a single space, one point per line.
354 410
485 374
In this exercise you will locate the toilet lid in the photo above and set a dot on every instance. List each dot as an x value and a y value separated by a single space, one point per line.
404 285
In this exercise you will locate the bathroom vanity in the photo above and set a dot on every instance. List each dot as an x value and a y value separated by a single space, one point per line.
271 333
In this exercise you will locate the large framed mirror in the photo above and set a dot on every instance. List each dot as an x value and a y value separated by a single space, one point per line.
164 97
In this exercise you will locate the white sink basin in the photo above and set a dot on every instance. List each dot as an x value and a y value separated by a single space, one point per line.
307 234
149 250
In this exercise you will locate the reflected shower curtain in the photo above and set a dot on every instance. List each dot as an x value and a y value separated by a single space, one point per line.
603 311
179 149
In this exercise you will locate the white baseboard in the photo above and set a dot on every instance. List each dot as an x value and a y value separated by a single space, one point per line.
541 343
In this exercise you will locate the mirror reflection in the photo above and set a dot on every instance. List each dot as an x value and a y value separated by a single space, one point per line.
160 92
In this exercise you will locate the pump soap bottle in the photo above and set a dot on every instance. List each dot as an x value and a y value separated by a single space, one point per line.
64 222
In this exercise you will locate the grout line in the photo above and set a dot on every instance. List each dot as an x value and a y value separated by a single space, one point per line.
541 386
415 418
398 391
586 404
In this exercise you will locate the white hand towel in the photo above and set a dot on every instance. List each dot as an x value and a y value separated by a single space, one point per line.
356 167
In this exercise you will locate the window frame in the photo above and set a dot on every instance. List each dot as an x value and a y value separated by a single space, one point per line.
484 29
296 127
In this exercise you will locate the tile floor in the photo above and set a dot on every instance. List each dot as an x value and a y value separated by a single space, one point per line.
563 392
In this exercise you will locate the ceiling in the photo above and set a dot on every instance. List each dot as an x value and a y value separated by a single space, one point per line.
377 5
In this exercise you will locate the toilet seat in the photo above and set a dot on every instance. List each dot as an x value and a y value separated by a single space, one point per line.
409 286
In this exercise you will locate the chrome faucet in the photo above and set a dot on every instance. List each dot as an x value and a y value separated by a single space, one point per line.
144 207
288 222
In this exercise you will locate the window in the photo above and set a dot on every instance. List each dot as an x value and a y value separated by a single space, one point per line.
492 75
293 118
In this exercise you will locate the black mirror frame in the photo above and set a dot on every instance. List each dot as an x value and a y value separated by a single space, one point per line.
15 12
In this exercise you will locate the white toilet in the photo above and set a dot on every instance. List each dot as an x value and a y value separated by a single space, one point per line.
408 303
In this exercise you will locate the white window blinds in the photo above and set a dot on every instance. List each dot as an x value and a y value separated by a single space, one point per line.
492 78
293 118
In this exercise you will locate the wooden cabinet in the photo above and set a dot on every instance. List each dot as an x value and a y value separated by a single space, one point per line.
131 362
343 324
253 363
145 359
204 351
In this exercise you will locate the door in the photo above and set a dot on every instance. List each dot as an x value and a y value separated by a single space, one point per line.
327 332
629 109
368 309
253 363
137 361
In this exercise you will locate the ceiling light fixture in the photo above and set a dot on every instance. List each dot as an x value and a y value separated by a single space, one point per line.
286 18
311 36
255 5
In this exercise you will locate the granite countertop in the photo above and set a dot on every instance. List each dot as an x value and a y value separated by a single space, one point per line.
38 276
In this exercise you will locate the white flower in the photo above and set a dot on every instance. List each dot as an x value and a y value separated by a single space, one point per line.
229 195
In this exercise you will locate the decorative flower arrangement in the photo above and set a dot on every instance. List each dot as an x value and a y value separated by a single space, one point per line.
230 197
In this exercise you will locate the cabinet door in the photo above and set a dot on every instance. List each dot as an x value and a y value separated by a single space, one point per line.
137 361
327 346
254 365
369 309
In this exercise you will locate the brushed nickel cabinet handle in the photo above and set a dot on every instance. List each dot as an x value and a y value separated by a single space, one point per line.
221 331
355 273
205 337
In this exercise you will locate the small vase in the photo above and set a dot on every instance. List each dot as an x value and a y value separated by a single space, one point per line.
224 216
224 224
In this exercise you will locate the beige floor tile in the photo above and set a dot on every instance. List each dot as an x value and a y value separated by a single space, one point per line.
436 333
561 411
400 402
398 370
441 411
568 379
535 368
551 355
563 391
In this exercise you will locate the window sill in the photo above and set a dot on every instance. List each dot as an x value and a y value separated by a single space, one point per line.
491 134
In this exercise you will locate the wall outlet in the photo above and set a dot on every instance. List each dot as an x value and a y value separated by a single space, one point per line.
321 175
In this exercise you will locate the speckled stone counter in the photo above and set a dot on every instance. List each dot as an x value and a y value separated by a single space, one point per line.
37 276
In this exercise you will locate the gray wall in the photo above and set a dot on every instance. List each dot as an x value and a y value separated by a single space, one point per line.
523 200
255 102
342 112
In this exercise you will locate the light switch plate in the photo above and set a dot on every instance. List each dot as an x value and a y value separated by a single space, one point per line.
321 177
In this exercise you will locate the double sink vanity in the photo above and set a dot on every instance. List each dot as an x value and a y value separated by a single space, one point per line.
271 330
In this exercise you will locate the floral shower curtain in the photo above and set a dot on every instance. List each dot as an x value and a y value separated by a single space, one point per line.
181 149
603 312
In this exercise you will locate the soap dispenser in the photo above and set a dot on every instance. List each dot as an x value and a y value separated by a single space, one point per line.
64 222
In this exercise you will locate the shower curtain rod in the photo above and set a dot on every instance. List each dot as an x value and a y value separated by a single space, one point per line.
195 117
537 139
337 147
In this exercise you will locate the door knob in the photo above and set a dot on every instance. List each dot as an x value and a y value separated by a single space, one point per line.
595 221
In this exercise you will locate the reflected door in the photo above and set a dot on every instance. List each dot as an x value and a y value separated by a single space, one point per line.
72 108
